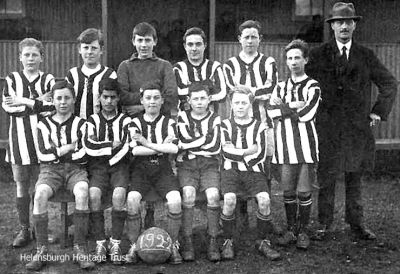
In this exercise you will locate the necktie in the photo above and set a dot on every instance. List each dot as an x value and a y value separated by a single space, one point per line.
344 55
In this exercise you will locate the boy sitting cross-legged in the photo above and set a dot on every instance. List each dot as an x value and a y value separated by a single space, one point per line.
153 138
244 151
198 166
62 157
107 142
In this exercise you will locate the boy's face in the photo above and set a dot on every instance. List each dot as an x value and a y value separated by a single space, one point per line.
296 62
109 100
241 105
63 101
144 45
30 58
152 101
199 101
91 53
249 40
194 47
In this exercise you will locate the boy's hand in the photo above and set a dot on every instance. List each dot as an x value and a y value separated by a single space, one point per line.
116 144
169 139
140 139
251 150
277 101
228 145
45 97
297 105
15 101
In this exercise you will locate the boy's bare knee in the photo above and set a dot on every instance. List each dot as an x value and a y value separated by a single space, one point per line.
212 196
229 204
133 202
189 195
118 198
174 201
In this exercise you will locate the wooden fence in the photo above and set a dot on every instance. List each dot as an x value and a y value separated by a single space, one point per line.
62 55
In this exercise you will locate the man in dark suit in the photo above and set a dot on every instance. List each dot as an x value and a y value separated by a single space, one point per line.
345 71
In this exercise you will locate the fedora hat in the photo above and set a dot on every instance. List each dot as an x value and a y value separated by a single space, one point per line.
343 11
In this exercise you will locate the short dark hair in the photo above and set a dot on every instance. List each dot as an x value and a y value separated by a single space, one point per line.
150 85
195 31
298 44
250 24
198 86
109 84
31 42
240 89
61 85
90 35
144 29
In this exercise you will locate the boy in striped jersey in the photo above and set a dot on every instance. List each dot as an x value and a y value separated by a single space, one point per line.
243 150
197 68
23 95
62 158
153 139
294 104
107 143
86 78
259 73
198 166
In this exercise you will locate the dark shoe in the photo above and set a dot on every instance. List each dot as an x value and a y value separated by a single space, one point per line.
38 261
188 249
131 257
213 254
303 241
82 257
287 238
115 252
227 252
321 233
23 238
100 252
175 256
264 246
363 233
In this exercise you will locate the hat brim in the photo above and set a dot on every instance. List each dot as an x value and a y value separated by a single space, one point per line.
335 18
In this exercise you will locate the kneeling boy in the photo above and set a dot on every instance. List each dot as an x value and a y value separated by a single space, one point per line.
107 142
153 138
198 166
244 151
62 157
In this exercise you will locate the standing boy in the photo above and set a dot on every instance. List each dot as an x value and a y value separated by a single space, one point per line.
144 66
62 158
107 142
86 78
20 90
197 68
294 104
257 72
243 150
153 139
198 166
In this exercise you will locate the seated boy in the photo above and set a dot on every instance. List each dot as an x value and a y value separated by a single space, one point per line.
244 152
153 138
198 166
62 157
142 67
20 91
296 140
107 143
86 78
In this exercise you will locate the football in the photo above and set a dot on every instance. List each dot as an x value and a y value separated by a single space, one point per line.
154 246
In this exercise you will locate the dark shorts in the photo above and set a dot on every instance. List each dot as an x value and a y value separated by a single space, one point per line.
298 177
243 183
65 175
200 173
23 173
147 175
106 177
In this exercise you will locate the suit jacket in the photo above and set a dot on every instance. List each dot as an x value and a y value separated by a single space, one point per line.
345 136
